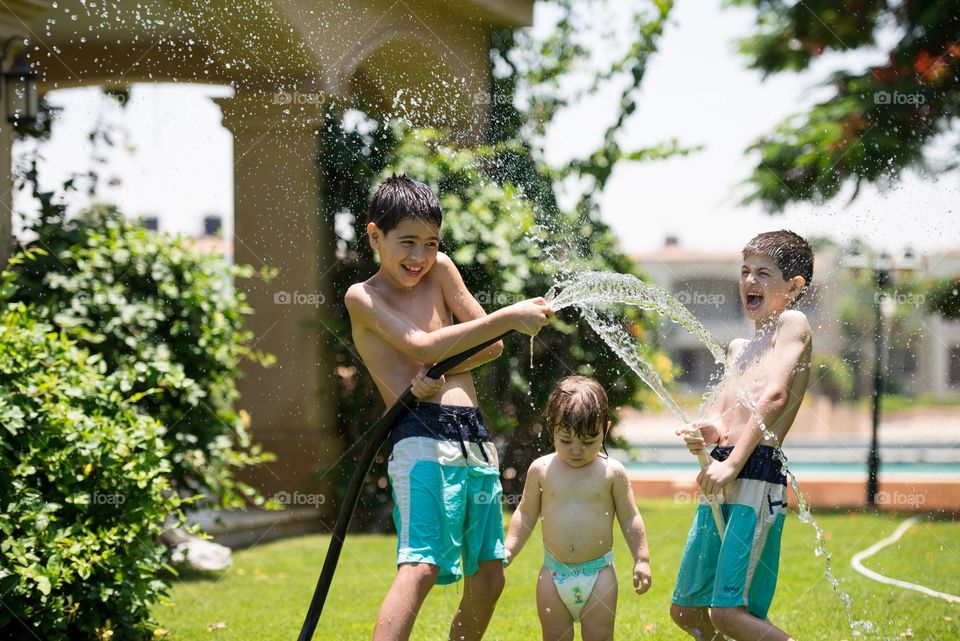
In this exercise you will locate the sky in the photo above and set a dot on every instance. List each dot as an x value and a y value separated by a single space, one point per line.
697 89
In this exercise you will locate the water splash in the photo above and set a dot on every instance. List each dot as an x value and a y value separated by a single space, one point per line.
590 289
590 292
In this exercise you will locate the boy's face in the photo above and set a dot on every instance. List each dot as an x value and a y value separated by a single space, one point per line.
408 251
763 289
573 450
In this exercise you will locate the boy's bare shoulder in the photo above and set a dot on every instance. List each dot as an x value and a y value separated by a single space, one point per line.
794 324
360 297
542 463
446 270
538 469
615 468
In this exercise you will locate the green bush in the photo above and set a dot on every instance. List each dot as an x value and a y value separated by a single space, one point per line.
84 491
167 323
834 377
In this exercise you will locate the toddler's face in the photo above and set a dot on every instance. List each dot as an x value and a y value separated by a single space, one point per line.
574 450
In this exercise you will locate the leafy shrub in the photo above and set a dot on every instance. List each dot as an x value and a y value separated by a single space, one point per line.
84 491
168 323
834 377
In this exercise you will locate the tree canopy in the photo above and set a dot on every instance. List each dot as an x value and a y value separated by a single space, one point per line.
881 119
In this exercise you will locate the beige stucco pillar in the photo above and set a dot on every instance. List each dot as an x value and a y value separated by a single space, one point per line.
277 224
6 191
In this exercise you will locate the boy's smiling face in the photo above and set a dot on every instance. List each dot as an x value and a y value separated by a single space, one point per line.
408 251
763 289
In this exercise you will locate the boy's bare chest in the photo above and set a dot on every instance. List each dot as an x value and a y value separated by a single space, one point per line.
426 310
569 486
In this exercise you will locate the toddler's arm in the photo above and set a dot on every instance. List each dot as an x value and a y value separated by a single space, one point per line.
525 517
631 524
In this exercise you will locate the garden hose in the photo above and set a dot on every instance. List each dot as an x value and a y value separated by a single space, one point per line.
378 434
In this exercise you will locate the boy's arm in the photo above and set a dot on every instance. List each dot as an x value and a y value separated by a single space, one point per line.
707 424
525 517
631 524
366 310
790 349
465 308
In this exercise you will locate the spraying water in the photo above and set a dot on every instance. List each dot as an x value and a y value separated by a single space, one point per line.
590 292
806 516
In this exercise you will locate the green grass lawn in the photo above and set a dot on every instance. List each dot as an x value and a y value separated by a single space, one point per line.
265 594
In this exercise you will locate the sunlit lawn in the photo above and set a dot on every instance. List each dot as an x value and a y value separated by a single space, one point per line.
265 594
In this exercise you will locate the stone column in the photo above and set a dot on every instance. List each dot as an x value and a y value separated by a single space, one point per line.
6 190
277 224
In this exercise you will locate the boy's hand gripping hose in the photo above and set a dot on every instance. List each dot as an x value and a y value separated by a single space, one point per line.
378 434
714 504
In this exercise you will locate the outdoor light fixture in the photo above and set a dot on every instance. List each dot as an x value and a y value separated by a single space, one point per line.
19 88
882 267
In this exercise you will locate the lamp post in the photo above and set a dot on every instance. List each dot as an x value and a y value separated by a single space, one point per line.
881 266
19 86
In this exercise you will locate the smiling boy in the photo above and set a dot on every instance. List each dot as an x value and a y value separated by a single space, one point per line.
727 587
402 319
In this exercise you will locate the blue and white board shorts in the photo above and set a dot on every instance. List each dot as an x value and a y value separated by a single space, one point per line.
742 570
445 476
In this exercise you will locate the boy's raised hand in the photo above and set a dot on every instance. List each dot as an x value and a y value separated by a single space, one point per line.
530 315
642 578
708 435
424 387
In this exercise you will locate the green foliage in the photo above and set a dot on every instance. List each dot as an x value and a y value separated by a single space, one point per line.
880 120
167 324
944 298
84 492
544 71
833 376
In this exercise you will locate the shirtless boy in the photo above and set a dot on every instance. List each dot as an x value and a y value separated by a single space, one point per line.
402 319
727 589
575 493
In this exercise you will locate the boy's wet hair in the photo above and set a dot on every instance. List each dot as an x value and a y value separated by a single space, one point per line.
578 404
400 197
788 250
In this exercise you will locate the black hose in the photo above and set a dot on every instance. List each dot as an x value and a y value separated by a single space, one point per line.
378 434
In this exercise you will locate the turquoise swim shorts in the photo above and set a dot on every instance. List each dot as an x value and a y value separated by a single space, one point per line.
742 570
445 477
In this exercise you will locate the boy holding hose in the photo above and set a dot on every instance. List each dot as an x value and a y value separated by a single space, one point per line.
726 588
402 319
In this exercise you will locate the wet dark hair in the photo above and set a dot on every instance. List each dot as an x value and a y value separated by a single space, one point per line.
788 250
578 404
400 197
